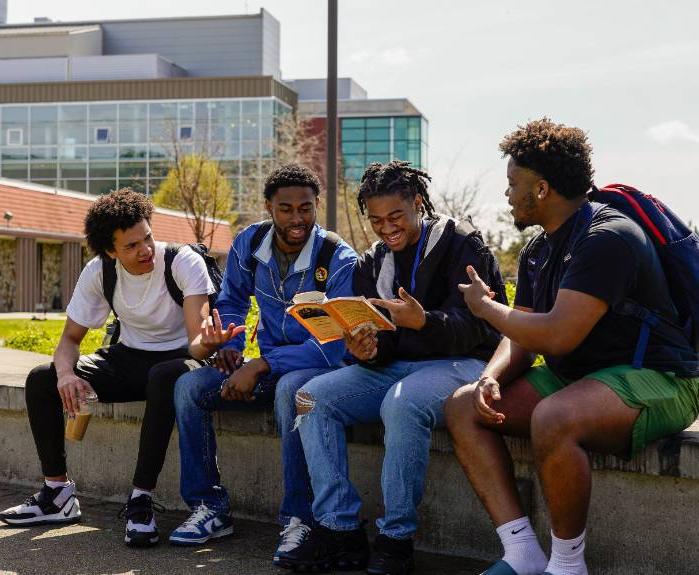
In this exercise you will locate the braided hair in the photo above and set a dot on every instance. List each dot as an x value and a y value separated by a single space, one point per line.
396 177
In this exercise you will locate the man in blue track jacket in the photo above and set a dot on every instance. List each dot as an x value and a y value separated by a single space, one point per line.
272 261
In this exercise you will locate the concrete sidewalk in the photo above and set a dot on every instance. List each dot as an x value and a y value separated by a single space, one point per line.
95 547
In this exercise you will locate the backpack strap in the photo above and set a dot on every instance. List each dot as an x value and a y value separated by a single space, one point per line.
255 242
330 243
172 287
109 279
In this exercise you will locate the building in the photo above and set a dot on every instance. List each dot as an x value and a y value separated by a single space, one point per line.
371 130
91 106
42 245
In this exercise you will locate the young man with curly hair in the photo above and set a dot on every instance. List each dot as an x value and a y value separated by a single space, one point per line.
159 341
573 278
402 377
273 261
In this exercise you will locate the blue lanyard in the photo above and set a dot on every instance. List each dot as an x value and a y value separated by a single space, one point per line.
416 262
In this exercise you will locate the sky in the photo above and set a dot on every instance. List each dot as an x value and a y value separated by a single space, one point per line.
626 71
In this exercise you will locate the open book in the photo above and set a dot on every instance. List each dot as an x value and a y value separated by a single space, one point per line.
327 319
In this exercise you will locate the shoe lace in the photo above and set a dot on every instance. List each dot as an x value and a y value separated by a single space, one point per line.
201 513
295 532
45 495
140 508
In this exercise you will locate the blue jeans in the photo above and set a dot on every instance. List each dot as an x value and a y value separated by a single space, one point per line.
408 396
197 396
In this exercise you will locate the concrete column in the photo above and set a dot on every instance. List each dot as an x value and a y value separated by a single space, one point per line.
27 274
71 266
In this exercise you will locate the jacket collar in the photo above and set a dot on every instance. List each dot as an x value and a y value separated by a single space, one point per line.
302 263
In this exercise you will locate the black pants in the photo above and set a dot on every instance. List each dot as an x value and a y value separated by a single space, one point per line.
118 374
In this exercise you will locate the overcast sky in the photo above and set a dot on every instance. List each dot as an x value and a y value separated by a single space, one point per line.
627 71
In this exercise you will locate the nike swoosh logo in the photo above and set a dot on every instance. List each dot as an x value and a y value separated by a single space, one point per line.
518 530
66 513
578 545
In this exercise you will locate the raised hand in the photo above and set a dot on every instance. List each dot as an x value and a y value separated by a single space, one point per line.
213 336
477 293
405 312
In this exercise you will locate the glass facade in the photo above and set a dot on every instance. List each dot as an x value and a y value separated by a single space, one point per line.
381 139
100 146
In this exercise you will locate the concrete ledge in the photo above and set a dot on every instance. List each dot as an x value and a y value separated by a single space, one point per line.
635 503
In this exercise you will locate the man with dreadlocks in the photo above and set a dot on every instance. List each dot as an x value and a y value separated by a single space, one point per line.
402 378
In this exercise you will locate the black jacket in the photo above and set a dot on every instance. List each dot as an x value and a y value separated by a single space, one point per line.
451 329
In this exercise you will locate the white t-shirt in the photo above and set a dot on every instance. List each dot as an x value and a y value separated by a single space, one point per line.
150 318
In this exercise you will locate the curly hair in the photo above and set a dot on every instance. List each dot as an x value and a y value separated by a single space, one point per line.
396 177
118 210
288 175
560 154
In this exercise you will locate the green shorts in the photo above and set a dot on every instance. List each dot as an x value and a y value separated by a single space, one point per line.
668 403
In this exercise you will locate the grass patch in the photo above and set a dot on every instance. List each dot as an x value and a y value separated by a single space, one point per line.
41 336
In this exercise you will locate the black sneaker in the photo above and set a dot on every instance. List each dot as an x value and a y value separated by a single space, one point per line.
391 556
325 549
51 505
141 530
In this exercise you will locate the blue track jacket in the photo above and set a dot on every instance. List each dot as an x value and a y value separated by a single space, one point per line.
284 343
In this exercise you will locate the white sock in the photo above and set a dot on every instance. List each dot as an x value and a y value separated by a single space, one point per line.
522 550
136 492
567 556
54 484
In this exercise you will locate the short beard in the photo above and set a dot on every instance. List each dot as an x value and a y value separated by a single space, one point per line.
528 208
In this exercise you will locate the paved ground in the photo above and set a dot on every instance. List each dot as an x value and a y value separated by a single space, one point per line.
95 546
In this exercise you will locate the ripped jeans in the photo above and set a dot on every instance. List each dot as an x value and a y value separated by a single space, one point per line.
197 396
408 396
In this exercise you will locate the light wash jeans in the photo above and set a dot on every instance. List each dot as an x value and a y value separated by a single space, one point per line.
197 396
408 396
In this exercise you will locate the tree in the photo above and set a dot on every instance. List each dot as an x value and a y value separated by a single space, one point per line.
459 202
196 186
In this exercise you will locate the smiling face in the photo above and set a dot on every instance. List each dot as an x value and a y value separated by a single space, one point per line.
395 219
135 248
522 189
293 211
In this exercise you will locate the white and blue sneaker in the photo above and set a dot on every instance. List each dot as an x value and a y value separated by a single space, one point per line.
203 524
291 537
51 505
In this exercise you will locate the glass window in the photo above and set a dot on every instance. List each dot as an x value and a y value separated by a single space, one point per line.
400 150
15 153
157 151
413 128
354 174
400 128
44 152
15 117
353 148
133 151
163 111
186 133
378 147
201 111
267 148
230 167
378 122
130 170
136 184
158 169
74 185
185 111
353 135
43 170
250 149
44 125
378 134
381 158
133 132
133 113
250 108
72 124
353 123
72 152
266 108
154 184
251 128
231 110
98 187
358 161
231 151
72 170
14 170
106 113
250 168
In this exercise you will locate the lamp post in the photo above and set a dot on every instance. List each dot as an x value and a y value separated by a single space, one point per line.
331 118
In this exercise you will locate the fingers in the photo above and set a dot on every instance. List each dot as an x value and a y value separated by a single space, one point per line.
471 272
386 304
484 395
217 321
406 297
234 330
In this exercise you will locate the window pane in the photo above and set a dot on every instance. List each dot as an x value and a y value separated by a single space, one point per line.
378 147
133 151
250 108
381 158
400 150
400 128
42 170
72 170
250 149
44 121
98 187
15 170
353 123
72 126
378 122
352 148
74 185
377 134
130 170
70 152
103 152
353 135
133 113
44 152
15 153
133 132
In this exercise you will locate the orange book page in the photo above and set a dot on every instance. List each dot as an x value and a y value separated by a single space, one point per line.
317 321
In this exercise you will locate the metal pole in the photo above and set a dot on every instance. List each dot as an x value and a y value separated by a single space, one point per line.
331 117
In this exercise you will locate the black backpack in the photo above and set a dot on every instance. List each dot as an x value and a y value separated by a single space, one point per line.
109 278
320 274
